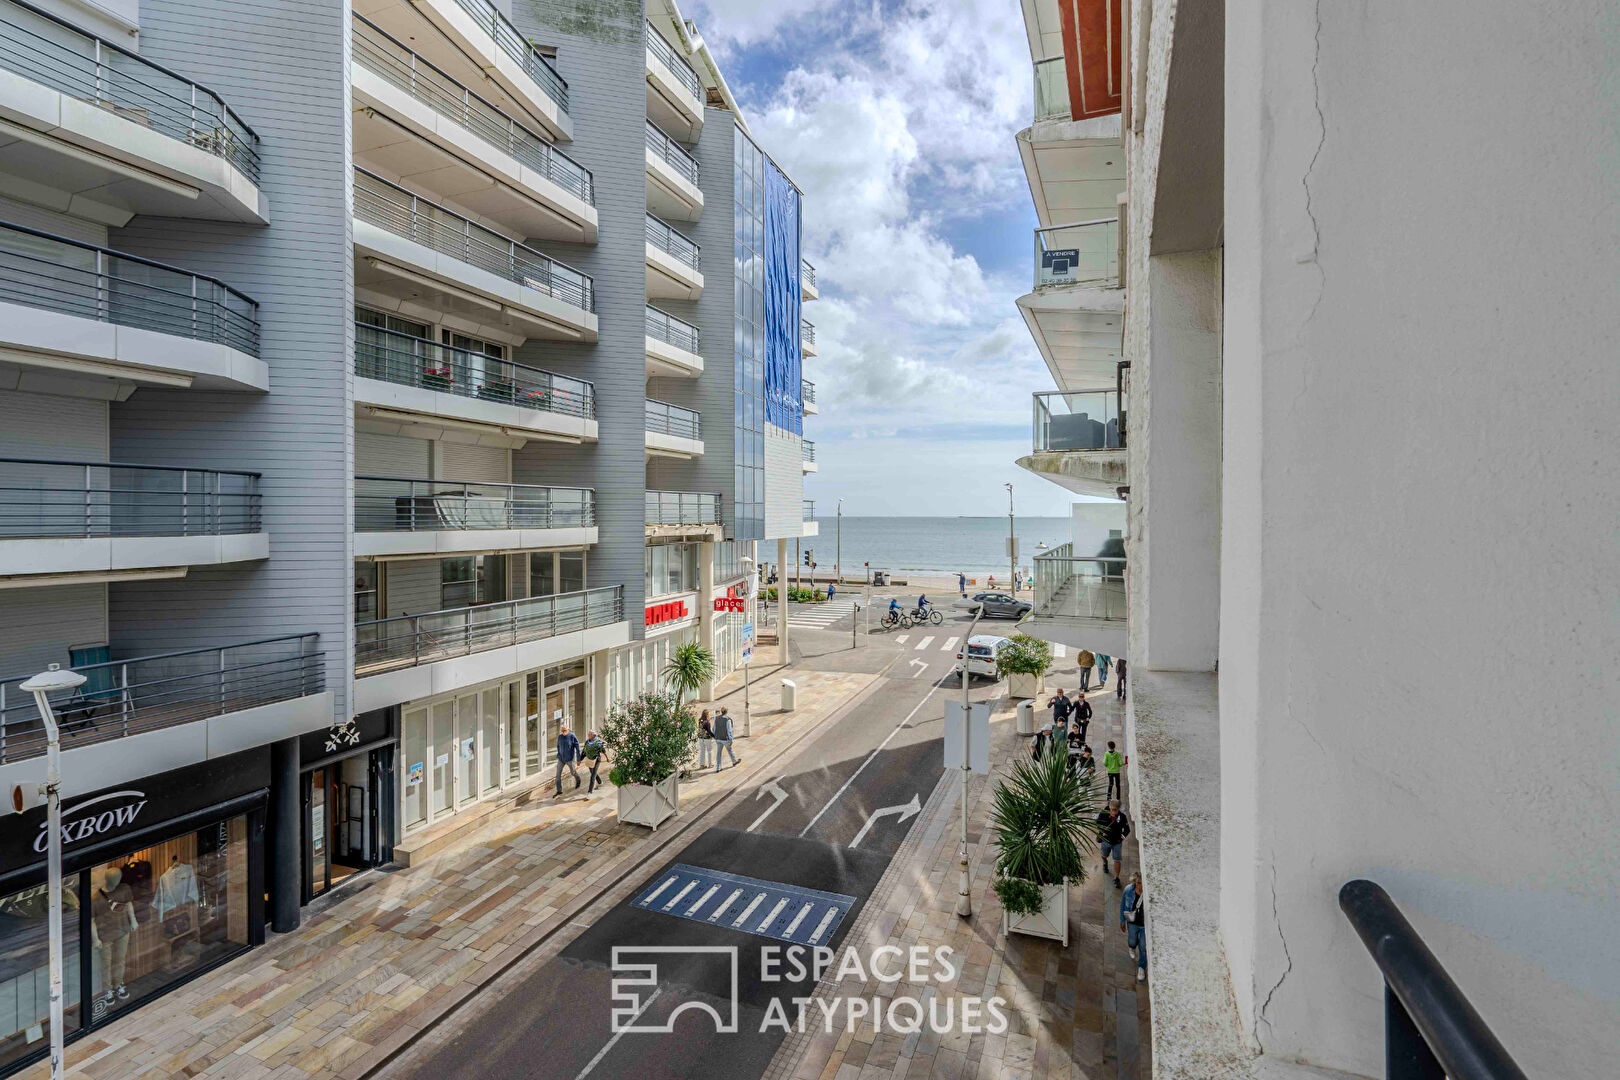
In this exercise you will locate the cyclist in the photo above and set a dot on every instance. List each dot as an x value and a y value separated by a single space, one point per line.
894 606
922 605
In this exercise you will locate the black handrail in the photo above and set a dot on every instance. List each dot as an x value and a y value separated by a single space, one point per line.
1430 1029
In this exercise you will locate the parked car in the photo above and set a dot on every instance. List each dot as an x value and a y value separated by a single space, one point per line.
998 604
979 655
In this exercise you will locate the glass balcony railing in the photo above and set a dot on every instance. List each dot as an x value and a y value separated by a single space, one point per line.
124 697
391 207
673 60
1079 420
83 499
672 153
682 508
384 55
666 419
807 331
807 391
809 450
385 504
1084 253
46 50
1051 89
661 236
427 365
1070 587
809 510
510 41
410 640
40 270
672 331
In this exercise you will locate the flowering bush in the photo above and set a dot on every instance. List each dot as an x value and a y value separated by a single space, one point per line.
649 738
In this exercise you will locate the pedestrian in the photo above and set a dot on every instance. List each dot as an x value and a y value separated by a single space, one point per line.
1111 765
1040 740
594 752
1133 921
1103 660
1086 659
567 754
832 589
1119 679
1082 714
722 740
1112 829
1087 763
1061 707
705 739
961 583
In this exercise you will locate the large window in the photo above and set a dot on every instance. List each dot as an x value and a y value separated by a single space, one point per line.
365 592
472 579
25 1003
671 568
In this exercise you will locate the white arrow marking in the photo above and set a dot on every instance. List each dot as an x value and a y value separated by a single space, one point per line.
910 809
772 788
920 666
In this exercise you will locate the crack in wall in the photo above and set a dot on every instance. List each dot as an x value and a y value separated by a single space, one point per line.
1276 921
1305 181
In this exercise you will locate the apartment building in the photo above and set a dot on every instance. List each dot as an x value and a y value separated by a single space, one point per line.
384 387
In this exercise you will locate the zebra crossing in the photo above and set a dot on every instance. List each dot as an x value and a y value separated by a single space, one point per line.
819 616
927 642
767 908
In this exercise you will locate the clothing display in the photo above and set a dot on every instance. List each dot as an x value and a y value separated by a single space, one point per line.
177 886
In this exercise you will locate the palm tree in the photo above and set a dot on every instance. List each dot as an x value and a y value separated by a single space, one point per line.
689 667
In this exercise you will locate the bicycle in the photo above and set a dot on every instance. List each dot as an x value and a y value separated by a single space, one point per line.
923 618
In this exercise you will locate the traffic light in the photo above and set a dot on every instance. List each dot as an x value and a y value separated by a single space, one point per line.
807 554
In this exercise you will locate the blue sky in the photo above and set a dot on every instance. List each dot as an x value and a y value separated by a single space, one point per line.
897 118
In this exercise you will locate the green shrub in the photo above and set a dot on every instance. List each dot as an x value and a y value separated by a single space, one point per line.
1024 655
1045 820
689 667
648 738
1018 895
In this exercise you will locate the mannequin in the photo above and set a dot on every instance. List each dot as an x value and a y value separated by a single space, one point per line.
112 911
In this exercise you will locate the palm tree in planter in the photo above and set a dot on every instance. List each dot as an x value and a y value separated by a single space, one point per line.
1024 662
648 739
1045 822
689 667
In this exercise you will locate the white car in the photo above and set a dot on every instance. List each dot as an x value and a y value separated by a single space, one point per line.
979 655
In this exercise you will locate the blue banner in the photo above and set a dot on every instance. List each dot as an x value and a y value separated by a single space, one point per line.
784 385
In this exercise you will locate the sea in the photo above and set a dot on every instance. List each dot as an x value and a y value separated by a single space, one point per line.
937 545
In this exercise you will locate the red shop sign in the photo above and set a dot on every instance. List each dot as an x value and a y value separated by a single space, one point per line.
662 613
730 603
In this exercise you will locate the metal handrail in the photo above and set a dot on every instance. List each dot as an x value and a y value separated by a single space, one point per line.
1051 89
1086 420
405 360
410 640
677 332
807 272
666 419
677 64
809 510
1430 1028
673 153
807 391
43 270
809 450
123 83
807 330
519 48
38 499
661 235
682 508
1079 587
1088 254
391 504
404 213
396 62
147 693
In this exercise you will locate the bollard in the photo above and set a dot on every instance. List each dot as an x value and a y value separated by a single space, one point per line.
790 695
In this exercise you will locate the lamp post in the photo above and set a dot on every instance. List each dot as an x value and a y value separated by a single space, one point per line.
838 548
1012 540
41 686
964 891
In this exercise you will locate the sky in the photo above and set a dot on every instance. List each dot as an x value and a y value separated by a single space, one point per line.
896 119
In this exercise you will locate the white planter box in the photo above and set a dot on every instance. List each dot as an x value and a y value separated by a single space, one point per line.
1025 686
641 804
1052 921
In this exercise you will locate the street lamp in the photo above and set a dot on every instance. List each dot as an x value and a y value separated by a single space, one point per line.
838 549
41 686
964 892
1012 540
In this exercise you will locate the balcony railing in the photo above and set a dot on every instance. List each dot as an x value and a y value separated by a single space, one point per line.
809 510
1051 89
146 693
673 153
682 508
807 391
40 270
809 450
807 272
1079 420
666 419
391 207
45 49
412 361
395 62
807 330
1084 253
410 640
673 60
672 331
1070 587
385 504
514 44
82 499
661 236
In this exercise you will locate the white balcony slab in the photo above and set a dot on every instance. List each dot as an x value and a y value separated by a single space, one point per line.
807 347
1098 635
807 289
1079 330
510 422
670 195
811 528
811 408
112 166
660 444
811 466
65 555
670 104
461 541
665 360
668 278
37 338
1084 472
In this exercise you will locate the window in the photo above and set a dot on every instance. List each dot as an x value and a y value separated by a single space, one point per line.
25 1021
542 574
472 579
571 571
366 607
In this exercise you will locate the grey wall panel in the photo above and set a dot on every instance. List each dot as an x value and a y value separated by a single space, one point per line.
283 66
37 626
784 483
714 312
48 426
36 217
413 587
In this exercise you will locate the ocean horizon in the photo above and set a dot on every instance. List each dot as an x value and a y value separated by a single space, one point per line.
973 545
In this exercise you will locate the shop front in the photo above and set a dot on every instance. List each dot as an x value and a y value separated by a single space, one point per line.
347 796
163 878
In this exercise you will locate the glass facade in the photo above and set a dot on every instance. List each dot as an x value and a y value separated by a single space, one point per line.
671 568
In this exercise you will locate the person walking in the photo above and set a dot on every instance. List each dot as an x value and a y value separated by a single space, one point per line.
1086 762
961 583
1103 660
1040 740
1087 660
832 589
1112 762
1112 829
1082 715
1061 707
567 754
594 752
705 739
722 740
1133 921
1119 678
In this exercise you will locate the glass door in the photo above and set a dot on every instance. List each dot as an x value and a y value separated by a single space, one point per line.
514 731
443 747
416 784
489 742
466 749
319 814
557 714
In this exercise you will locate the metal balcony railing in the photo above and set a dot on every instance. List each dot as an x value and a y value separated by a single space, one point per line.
1051 89
672 331
666 419
807 330
82 499
1071 587
1084 253
661 236
42 270
428 365
1079 420
386 504
809 450
673 153
807 272
45 49
392 60
510 41
146 693
410 640
673 60
807 391
809 510
682 508
391 207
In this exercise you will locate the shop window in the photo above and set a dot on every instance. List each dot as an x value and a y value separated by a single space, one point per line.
25 969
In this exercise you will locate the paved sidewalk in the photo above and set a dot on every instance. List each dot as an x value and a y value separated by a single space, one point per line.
363 976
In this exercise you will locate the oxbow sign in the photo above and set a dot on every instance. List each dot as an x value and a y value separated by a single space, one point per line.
665 612
102 814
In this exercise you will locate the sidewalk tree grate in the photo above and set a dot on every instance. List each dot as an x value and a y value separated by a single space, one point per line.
764 908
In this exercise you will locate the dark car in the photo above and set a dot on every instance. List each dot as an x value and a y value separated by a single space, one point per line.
998 603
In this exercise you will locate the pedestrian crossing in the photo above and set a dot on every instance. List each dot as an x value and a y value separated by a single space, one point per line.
767 908
819 616
949 644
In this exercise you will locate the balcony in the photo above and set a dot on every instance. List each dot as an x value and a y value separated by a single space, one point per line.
676 509
807 338
426 517
810 465
1079 601
418 123
478 46
1051 90
807 394
674 91
1079 441
68 308
116 134
673 263
673 432
673 346
807 281
672 178
416 250
811 526
1076 312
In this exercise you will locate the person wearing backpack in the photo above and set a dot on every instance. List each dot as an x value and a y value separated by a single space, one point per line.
1112 829
705 739
722 740
594 753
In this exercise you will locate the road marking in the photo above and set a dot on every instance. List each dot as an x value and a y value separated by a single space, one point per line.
704 899
749 910
950 643
901 640
920 667
862 768
924 643
775 911
672 901
910 809
721 910
821 927
774 789
667 883
793 927
602 1053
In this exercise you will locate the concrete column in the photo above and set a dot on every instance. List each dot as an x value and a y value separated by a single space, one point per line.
781 600
286 829
601 661
705 603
